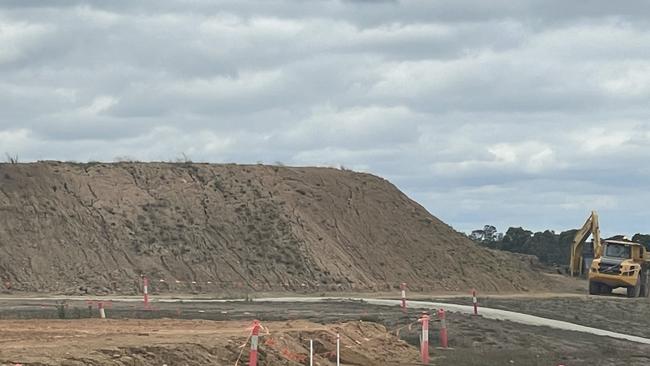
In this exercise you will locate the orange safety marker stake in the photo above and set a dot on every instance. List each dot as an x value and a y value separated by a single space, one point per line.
475 302
424 343
252 360
102 313
145 290
338 349
403 288
443 329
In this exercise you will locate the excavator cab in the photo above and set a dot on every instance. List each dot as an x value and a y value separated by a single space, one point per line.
616 250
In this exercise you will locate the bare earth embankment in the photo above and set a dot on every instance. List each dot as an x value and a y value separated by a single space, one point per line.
77 228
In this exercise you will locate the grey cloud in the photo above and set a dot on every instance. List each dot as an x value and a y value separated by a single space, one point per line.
512 113
369 11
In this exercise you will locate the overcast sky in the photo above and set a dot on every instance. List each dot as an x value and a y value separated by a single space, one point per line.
509 113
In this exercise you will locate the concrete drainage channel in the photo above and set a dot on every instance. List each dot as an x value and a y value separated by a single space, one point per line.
488 313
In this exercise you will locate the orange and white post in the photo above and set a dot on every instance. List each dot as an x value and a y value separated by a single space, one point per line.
475 302
424 343
403 288
255 335
145 292
444 342
102 313
338 349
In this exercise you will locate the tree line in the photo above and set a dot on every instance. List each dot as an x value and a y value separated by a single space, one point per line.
550 247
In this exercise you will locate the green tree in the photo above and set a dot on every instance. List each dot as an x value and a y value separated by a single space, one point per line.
565 241
487 235
544 245
515 239
643 239
549 247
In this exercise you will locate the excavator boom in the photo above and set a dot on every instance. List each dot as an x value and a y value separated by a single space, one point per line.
591 227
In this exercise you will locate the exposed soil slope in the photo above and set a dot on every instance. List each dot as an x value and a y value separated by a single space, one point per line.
198 342
99 226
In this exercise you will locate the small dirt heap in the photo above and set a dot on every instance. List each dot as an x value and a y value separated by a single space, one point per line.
98 227
197 342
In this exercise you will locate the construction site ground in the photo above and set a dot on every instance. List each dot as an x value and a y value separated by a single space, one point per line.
208 333
613 312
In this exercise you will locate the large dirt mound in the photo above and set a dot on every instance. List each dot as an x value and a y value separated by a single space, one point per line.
100 226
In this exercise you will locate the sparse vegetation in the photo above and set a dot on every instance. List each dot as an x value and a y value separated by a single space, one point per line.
184 158
11 159
125 159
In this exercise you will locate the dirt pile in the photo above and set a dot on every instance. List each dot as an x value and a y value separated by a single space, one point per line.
196 342
201 227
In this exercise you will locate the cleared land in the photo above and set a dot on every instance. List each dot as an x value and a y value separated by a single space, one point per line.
86 229
371 336
192 342
614 313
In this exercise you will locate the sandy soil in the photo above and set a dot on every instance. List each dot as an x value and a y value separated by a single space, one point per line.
95 228
191 342
371 336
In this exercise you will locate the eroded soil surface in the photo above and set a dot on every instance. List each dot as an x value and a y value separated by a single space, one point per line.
371 335
204 228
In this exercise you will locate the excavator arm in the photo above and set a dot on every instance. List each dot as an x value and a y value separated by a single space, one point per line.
591 227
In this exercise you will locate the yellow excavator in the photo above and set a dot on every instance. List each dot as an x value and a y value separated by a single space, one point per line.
610 263
581 256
